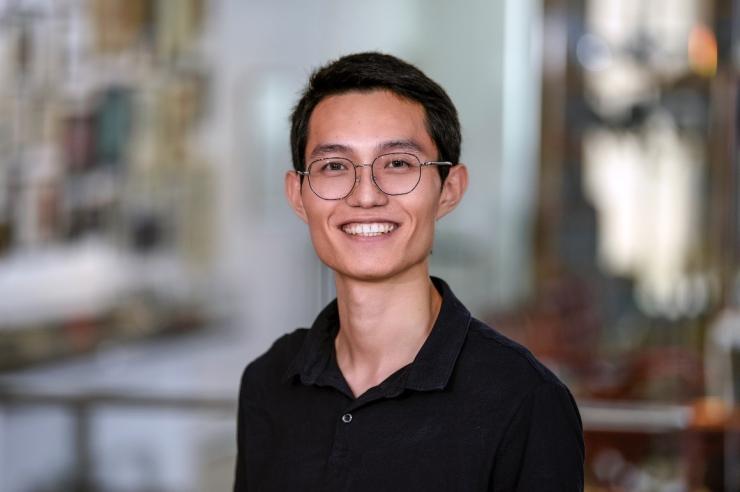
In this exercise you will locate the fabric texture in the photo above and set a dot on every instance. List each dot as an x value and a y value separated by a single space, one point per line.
474 411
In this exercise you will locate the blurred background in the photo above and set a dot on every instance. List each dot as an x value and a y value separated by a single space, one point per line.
147 253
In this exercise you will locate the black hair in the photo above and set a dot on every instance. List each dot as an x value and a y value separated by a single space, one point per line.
364 72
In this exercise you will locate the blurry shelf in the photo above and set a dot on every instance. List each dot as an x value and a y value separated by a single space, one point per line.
10 395
640 417
630 416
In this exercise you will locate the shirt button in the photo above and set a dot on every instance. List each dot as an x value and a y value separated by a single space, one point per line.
347 418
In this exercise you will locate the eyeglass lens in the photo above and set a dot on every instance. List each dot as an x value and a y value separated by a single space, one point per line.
395 174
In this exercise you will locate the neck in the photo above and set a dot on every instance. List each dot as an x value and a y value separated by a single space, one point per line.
382 325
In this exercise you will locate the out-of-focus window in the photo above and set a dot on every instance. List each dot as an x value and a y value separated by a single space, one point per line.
106 199
636 293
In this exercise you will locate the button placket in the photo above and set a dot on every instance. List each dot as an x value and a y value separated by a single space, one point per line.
340 457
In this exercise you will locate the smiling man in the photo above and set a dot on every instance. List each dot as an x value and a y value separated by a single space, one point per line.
395 386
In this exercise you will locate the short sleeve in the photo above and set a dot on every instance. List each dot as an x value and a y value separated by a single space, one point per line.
252 430
240 478
543 447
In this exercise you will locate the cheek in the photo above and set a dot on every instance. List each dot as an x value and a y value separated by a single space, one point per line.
316 209
317 219
316 227
425 223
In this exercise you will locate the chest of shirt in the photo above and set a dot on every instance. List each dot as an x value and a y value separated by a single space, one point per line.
320 439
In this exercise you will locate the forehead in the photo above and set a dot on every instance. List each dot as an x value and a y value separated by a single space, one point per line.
363 120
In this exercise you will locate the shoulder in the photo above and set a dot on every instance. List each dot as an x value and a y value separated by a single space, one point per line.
507 379
487 358
495 360
270 367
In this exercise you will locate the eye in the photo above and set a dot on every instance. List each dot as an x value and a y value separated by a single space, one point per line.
333 166
398 163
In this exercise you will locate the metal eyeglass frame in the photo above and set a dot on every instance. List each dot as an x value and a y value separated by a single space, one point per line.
372 174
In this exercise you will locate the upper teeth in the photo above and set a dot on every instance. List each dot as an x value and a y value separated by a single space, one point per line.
368 229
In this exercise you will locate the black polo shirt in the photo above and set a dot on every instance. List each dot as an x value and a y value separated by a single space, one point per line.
474 411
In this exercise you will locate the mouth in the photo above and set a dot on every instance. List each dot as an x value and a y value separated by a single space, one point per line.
369 229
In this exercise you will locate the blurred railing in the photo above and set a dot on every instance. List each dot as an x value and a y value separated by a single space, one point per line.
82 407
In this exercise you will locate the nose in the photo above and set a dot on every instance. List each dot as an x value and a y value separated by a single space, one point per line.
366 193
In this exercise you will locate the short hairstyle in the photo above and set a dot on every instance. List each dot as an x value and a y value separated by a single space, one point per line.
370 71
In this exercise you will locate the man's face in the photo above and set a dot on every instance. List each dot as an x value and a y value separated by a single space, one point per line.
360 126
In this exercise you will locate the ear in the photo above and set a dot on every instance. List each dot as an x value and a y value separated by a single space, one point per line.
453 190
293 194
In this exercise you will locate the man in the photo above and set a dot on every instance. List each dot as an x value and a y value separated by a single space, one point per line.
395 387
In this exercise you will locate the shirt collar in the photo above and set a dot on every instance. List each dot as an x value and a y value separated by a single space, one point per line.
430 370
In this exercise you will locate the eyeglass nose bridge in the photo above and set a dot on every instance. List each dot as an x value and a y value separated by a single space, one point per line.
372 177
357 178
357 175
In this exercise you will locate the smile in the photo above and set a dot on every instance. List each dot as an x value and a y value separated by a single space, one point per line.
368 229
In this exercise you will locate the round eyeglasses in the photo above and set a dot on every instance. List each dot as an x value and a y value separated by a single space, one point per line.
334 178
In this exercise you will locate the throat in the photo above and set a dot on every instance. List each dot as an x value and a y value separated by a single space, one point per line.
374 343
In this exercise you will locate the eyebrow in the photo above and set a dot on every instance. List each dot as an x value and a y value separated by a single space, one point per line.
406 144
333 148
326 149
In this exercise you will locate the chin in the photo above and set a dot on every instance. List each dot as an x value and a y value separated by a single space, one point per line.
364 274
379 272
372 264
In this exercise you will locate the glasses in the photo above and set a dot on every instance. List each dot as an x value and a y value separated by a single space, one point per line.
334 178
